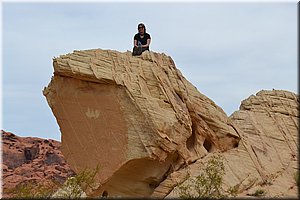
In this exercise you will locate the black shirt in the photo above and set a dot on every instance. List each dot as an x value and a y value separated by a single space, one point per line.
142 40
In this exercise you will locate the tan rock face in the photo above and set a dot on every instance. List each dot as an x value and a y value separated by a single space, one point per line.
31 159
269 125
136 117
266 157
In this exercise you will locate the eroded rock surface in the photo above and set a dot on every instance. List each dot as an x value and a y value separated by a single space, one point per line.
269 124
266 158
136 117
31 159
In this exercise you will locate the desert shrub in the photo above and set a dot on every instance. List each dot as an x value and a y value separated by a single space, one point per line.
74 187
258 192
77 186
206 185
233 191
296 178
33 189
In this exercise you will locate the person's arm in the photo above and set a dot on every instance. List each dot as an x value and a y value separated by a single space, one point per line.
148 43
135 43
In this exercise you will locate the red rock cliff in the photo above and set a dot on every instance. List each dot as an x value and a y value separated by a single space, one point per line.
31 159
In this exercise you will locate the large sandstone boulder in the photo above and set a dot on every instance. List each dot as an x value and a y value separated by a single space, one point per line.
137 118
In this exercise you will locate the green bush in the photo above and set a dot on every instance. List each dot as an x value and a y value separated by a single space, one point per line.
296 178
258 192
79 185
233 191
208 184
33 189
74 187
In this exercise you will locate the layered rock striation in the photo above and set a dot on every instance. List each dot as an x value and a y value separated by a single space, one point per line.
266 158
268 123
137 118
148 128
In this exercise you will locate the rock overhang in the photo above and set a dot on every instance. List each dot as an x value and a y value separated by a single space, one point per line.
116 110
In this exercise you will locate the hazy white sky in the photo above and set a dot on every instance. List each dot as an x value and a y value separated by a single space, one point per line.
228 50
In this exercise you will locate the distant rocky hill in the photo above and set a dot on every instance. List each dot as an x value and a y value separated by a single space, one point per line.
149 129
31 159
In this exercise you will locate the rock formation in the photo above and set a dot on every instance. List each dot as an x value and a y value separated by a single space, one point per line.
31 159
137 117
267 156
146 126
269 126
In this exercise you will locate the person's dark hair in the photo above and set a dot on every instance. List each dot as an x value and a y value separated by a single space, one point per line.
142 25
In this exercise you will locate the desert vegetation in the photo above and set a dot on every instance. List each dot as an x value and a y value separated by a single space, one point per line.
73 187
208 184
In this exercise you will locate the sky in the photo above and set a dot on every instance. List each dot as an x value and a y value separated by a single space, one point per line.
228 50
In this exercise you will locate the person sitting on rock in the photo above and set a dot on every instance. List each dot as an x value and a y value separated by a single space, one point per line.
141 40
